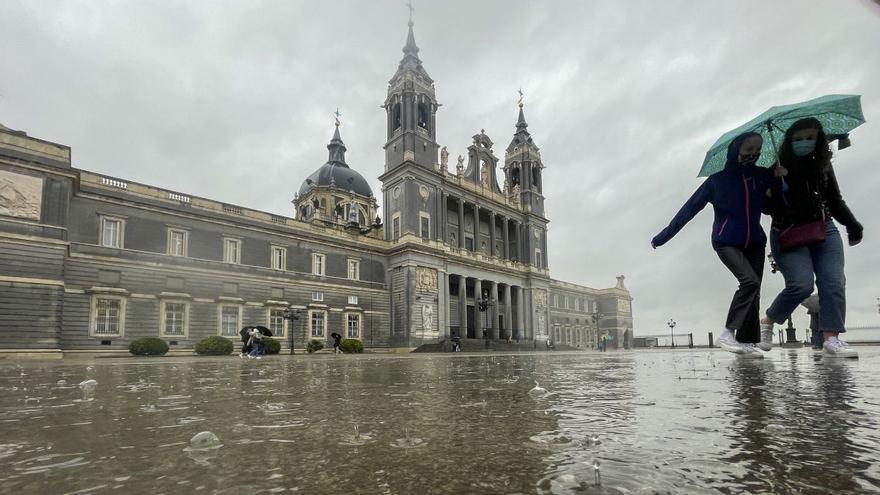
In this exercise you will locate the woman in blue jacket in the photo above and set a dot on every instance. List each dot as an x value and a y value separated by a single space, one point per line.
737 194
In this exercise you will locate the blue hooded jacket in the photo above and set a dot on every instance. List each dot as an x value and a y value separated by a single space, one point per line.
737 194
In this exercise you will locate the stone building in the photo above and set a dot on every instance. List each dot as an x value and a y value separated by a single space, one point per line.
89 262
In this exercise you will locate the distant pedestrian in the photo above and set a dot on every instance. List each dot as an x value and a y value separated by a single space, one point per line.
337 340
256 344
737 194
804 238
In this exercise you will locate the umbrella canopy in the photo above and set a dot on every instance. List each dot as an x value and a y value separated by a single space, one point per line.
246 330
336 336
838 114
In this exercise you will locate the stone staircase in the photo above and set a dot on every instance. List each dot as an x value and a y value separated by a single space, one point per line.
479 345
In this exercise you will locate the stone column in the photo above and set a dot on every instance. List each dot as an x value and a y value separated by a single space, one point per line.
478 315
493 311
476 228
461 222
520 314
505 236
440 229
492 234
462 306
508 311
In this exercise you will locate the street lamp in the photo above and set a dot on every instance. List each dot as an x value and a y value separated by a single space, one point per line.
290 315
483 305
597 317
672 324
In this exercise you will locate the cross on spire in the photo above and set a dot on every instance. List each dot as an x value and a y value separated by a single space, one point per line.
337 115
411 10
520 102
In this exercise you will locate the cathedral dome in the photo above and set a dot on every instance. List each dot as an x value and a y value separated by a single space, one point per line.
336 172
339 174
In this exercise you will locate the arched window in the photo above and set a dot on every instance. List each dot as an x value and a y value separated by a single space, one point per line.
395 117
424 115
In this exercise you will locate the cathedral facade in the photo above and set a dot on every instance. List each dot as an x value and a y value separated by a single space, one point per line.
90 262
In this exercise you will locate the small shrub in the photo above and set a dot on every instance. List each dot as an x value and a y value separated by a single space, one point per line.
271 345
214 346
351 346
148 346
314 345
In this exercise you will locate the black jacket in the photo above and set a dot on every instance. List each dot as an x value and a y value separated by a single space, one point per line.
811 191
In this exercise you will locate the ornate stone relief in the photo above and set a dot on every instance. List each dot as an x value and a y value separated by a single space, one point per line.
423 192
20 195
540 297
426 279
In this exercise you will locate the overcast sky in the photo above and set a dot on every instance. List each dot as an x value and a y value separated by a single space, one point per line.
233 101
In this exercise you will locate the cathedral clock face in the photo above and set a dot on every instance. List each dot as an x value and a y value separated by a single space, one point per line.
537 235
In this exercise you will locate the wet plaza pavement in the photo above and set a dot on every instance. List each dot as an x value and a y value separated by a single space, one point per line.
628 422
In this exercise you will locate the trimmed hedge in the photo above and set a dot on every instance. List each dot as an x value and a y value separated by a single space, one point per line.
351 346
148 346
214 346
271 345
314 345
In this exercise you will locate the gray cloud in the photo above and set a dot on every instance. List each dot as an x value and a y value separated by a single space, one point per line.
232 101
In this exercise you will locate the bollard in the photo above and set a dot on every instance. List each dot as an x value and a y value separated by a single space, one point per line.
690 341
711 341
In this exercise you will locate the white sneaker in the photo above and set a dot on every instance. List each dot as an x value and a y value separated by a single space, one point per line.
750 352
728 342
766 337
835 347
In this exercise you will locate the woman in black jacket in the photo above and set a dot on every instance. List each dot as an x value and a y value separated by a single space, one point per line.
811 194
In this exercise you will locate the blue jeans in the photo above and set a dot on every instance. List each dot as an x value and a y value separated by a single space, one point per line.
798 266
257 349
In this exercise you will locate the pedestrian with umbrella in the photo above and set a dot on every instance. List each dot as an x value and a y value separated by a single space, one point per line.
337 339
252 339
737 189
804 237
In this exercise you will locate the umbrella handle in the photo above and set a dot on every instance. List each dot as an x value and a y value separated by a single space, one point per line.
776 153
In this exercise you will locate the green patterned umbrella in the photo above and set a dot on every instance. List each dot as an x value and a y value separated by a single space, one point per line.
839 114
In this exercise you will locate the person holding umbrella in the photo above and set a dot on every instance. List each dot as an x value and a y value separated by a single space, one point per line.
804 239
737 193
252 341
337 339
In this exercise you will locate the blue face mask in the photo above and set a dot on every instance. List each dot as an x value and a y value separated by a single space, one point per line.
804 147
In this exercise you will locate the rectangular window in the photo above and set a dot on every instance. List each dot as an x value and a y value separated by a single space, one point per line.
318 320
111 232
354 270
424 226
318 264
177 242
352 300
318 296
108 315
538 258
279 258
469 243
353 328
230 318
276 321
395 226
174 319
232 251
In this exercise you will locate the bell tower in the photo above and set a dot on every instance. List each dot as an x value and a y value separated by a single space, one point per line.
410 107
523 169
